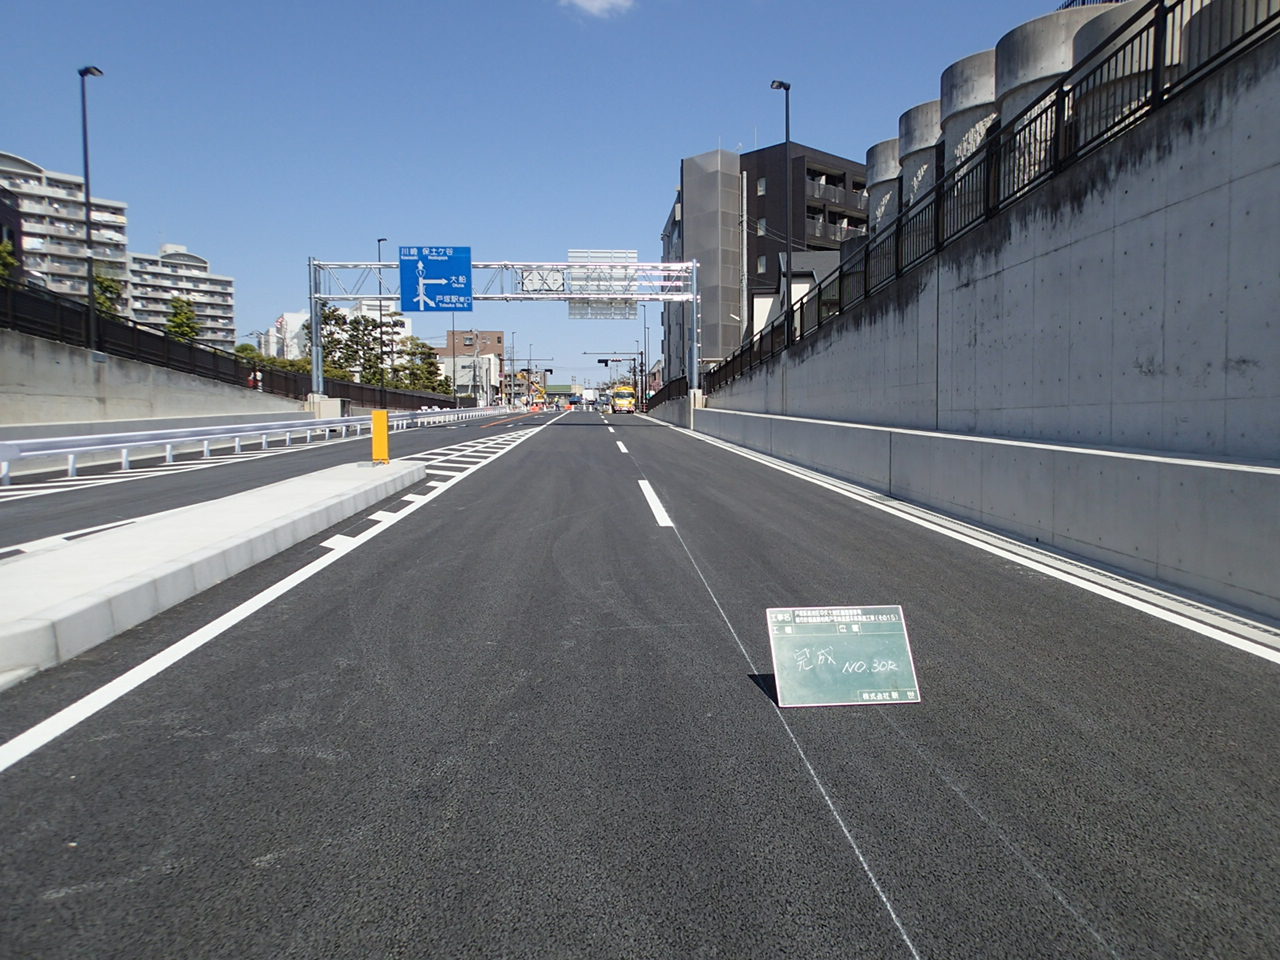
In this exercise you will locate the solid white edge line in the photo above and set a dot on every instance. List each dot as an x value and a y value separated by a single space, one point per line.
32 739
886 504
659 511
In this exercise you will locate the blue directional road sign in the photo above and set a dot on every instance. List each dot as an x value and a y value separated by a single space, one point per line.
435 279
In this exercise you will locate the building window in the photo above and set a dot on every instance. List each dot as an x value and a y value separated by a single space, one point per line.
762 263
761 227
760 187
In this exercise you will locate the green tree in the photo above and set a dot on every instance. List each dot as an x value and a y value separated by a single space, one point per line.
366 348
249 352
8 263
107 292
182 323
418 368
333 343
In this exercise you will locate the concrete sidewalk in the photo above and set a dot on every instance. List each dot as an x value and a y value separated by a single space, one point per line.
57 603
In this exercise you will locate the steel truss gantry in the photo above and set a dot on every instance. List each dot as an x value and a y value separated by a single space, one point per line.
589 286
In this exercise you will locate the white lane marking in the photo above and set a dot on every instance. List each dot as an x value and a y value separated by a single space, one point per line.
31 740
813 774
622 446
834 810
1232 630
659 511
611 429
381 516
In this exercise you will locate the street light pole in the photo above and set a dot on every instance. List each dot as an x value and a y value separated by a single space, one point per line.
644 313
382 333
786 93
88 224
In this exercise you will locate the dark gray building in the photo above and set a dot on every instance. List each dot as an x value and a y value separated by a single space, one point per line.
730 215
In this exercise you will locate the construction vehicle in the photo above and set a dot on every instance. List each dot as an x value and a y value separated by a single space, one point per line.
536 393
624 399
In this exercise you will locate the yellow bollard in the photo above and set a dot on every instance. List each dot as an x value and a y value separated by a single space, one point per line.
381 437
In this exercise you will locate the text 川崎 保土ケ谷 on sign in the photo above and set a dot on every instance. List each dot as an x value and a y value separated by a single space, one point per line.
434 279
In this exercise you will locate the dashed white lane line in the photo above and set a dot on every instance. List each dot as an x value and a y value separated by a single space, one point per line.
659 511
611 429
622 446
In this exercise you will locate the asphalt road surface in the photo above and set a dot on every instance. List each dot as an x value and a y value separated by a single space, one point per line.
45 505
520 718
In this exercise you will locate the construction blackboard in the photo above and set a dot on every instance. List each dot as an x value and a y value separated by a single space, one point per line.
841 656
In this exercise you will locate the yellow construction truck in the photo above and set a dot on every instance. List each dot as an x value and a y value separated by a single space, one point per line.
623 400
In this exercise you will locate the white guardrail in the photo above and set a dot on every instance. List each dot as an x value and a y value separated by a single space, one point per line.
15 451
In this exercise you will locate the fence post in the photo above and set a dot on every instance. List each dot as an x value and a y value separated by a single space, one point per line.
1159 42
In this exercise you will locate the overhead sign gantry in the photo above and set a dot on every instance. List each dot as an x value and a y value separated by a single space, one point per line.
595 285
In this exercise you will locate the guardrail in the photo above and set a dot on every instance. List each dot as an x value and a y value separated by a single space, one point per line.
1166 46
15 451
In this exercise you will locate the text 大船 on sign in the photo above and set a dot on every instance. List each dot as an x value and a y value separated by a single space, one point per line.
435 279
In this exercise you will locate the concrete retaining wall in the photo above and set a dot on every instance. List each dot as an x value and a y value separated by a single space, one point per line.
1199 525
43 381
1129 302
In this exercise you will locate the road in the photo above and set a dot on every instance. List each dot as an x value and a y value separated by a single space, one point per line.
47 505
519 718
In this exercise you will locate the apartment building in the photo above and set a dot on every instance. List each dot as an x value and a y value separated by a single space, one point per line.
286 338
51 206
730 214
473 359
155 279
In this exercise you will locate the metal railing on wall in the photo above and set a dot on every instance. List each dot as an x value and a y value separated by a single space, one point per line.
671 390
45 314
1166 46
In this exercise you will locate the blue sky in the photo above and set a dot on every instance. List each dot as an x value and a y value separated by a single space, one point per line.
262 133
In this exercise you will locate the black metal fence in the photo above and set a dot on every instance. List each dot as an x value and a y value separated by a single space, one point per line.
1163 48
41 313
672 390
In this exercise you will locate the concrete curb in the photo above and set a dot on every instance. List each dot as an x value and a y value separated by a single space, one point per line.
188 561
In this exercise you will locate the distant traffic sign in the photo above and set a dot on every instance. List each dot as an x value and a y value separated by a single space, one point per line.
435 279
840 656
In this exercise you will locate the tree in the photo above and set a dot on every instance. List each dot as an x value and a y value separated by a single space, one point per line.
354 344
333 326
8 263
107 292
182 323
249 352
418 368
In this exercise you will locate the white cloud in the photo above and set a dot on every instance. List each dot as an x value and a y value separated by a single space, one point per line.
599 8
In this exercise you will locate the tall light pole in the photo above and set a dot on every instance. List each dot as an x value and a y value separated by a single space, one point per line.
644 312
88 224
382 334
786 295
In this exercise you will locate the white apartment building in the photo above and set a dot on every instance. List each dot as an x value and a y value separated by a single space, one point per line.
156 278
286 337
52 209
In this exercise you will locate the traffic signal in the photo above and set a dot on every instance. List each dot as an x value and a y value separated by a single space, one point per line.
605 362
